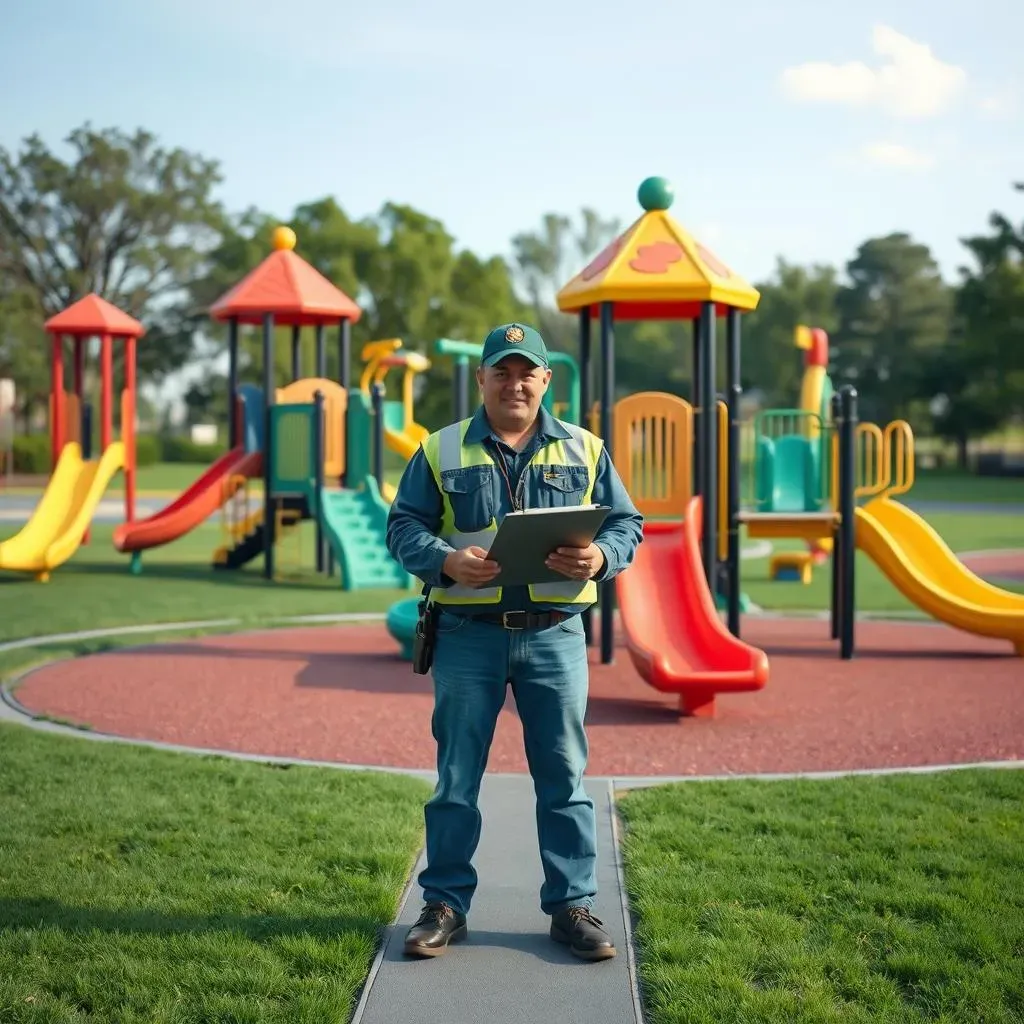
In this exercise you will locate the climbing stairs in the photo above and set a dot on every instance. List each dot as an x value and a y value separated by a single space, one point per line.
355 524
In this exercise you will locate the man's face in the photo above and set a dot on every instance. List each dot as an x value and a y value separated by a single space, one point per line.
512 390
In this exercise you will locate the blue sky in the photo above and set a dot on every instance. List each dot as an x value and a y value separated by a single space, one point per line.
800 129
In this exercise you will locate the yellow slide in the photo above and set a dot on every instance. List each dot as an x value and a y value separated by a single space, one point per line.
405 442
923 568
55 531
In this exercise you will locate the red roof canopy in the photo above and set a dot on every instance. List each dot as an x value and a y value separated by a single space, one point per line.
92 315
287 286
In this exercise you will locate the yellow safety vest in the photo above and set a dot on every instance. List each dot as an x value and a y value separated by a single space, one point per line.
446 453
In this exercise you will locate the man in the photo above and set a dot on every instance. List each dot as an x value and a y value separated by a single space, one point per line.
453 494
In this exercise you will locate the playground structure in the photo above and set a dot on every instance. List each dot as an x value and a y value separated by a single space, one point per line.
59 525
309 442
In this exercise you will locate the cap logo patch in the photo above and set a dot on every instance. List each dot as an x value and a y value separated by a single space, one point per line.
515 334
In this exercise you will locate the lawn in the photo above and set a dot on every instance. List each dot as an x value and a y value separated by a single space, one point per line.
894 899
137 885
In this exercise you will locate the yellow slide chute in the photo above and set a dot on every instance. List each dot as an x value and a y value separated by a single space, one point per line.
920 564
56 528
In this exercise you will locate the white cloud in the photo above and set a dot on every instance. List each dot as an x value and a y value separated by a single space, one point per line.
909 81
1000 104
895 154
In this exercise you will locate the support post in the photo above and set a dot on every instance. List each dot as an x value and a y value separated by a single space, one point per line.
268 445
460 388
128 428
321 352
585 399
106 391
837 536
709 446
235 437
344 378
318 475
733 394
697 402
847 526
377 404
607 589
56 399
296 352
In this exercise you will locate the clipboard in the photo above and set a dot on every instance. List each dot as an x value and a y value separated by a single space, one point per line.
525 539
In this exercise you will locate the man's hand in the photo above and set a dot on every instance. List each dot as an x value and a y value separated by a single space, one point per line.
471 567
577 563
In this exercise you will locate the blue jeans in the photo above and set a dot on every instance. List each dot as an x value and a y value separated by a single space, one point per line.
547 670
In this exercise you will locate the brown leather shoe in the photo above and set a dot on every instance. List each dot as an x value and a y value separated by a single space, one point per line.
437 925
583 933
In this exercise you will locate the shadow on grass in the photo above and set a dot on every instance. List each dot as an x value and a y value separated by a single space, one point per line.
42 912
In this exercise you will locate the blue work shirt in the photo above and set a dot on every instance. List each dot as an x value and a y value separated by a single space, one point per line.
416 511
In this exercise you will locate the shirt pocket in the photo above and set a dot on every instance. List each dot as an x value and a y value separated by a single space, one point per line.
471 494
559 486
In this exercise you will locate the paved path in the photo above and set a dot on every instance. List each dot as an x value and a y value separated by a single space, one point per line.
508 970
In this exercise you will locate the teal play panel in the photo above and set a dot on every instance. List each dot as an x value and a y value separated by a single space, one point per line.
292 469
394 416
401 624
791 469
355 524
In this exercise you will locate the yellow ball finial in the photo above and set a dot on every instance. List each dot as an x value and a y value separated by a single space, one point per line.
284 238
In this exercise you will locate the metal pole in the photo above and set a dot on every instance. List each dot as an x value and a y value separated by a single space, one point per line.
344 378
268 445
233 438
607 589
847 524
697 403
296 351
377 404
735 390
584 361
321 352
460 388
708 447
837 537
318 475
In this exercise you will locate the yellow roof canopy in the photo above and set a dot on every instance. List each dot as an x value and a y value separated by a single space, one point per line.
656 270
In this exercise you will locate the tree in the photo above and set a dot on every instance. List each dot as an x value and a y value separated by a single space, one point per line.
794 295
894 317
978 378
123 217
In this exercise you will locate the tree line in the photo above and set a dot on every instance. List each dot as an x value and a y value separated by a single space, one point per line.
138 222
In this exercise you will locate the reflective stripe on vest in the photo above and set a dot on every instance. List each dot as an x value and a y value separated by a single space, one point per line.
445 453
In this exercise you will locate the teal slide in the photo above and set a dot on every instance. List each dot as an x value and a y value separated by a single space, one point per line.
355 524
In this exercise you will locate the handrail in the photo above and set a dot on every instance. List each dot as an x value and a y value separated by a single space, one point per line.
903 433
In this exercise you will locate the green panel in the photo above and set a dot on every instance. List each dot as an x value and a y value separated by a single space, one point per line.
355 524
359 442
292 429
394 416
788 465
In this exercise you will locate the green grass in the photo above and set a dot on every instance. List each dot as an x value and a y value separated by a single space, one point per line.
137 885
894 899
95 590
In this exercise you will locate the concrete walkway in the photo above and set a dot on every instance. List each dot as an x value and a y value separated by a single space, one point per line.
509 970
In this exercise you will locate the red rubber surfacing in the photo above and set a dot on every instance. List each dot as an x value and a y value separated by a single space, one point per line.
915 694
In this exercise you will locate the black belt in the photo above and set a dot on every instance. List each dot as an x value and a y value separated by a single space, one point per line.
521 620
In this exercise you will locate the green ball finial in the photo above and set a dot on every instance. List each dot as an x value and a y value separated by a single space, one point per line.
655 194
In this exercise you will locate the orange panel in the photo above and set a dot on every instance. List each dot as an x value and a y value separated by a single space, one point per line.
335 404
653 442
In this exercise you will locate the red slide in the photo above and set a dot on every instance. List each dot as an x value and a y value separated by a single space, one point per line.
674 635
191 507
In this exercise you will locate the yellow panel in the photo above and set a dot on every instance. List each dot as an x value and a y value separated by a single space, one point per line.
335 405
803 526
653 441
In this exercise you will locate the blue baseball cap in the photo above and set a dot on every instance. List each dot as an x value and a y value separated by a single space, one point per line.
514 340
